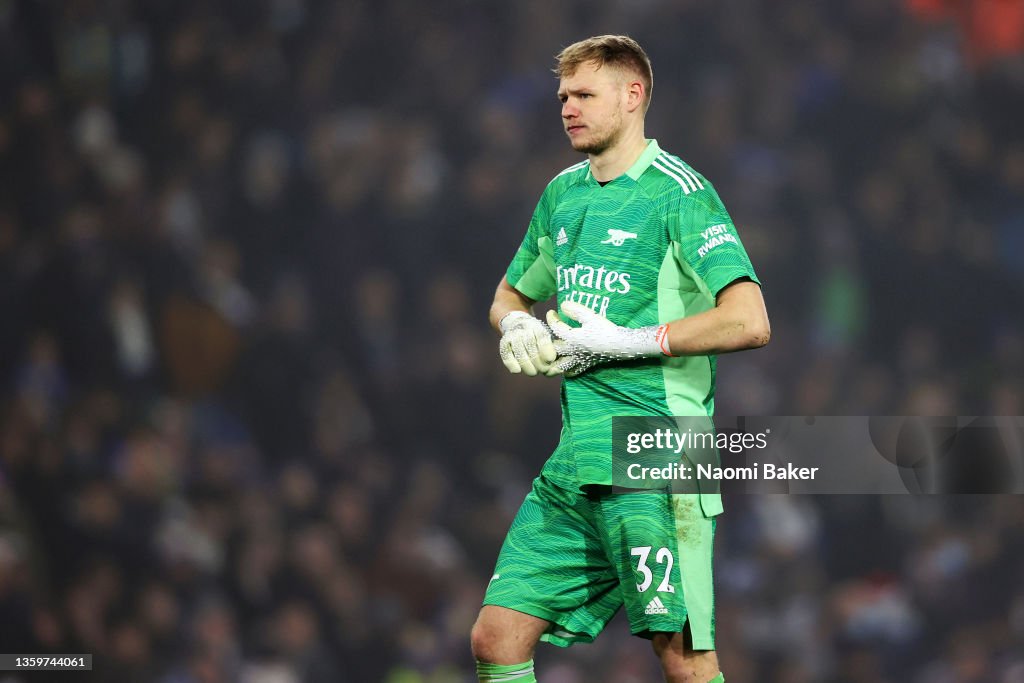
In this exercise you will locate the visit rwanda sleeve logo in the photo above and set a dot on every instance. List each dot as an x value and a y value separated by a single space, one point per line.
716 235
618 237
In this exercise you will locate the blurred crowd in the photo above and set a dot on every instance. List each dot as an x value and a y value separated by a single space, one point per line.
253 426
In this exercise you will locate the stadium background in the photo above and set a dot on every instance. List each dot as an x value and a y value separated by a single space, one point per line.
253 425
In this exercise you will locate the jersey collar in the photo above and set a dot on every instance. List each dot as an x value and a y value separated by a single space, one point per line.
645 160
639 166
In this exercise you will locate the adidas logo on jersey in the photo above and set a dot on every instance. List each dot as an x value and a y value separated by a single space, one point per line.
562 238
656 606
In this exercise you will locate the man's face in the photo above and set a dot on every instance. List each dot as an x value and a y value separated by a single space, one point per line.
593 107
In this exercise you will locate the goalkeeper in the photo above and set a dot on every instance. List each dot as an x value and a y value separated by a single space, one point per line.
652 282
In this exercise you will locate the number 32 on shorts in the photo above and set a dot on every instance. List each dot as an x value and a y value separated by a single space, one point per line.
664 555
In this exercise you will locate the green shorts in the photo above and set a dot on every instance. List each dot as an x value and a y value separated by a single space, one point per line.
574 559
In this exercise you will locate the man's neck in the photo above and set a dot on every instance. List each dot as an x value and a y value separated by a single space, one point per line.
615 161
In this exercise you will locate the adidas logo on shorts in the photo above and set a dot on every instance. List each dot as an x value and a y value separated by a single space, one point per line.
656 606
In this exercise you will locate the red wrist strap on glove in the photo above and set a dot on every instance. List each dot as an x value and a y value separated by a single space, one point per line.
661 335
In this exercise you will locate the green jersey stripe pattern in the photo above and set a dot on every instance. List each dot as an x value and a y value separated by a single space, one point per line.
651 246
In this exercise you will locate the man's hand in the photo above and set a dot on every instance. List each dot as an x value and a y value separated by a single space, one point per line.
526 344
599 340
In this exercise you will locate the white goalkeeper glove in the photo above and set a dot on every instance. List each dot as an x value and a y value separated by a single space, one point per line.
599 340
526 345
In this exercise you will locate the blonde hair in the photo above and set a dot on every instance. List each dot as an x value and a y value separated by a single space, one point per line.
619 51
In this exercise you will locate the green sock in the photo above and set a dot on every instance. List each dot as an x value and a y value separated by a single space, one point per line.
505 673
720 678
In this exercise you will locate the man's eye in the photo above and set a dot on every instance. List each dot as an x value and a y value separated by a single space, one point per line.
585 95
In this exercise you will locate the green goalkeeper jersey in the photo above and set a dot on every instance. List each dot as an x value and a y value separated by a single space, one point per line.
651 246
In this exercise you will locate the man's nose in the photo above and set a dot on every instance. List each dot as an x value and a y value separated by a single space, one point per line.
569 111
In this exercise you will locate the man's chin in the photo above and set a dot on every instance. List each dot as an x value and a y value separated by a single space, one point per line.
588 147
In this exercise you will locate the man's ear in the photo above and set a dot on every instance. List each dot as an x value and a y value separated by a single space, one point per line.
634 95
